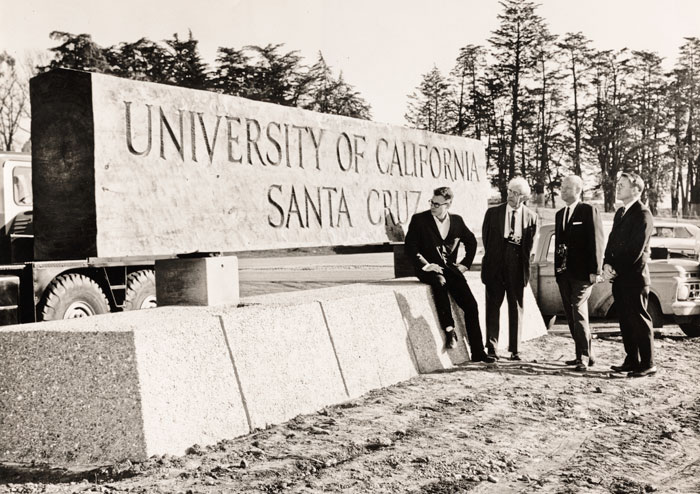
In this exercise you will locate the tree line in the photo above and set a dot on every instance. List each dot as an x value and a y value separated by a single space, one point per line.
548 105
268 73
545 105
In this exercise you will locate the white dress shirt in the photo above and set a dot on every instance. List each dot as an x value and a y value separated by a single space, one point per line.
443 226
518 230
571 207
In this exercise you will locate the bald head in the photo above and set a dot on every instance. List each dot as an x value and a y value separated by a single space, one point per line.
571 188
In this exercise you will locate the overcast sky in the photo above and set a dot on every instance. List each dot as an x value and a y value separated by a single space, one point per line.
382 46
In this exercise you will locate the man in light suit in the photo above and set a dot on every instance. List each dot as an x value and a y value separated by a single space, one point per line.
626 257
432 243
508 232
578 261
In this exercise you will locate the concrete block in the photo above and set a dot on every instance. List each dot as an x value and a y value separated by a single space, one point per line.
370 340
138 383
131 168
188 387
126 385
69 393
427 337
284 360
197 281
533 325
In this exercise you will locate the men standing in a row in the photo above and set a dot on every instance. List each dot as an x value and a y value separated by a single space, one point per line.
507 232
578 261
432 243
626 257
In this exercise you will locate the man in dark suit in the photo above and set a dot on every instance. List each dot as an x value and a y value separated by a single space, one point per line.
626 257
578 261
432 243
508 232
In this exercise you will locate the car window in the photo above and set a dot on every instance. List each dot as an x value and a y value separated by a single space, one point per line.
550 249
682 232
663 231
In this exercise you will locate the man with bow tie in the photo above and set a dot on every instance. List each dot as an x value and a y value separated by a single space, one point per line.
578 260
625 265
432 243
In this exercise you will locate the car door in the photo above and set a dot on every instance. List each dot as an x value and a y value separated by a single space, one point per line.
548 290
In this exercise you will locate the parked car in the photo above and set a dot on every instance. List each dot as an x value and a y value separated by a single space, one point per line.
681 239
674 293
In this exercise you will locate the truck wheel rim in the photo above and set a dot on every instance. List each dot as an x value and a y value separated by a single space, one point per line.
78 309
149 302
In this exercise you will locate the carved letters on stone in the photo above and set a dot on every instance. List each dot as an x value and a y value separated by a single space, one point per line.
178 170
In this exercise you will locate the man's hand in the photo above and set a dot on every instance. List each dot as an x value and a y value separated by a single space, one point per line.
462 268
593 278
608 272
432 267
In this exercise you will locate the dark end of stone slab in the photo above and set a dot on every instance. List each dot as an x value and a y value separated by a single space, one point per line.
63 158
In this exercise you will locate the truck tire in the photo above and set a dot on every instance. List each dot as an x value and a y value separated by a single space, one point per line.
691 330
654 309
71 296
140 290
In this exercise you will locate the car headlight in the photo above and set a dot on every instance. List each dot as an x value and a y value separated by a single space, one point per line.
683 292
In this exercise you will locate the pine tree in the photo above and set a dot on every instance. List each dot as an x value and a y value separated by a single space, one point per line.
78 52
184 66
468 105
515 46
428 107
327 94
578 53
142 60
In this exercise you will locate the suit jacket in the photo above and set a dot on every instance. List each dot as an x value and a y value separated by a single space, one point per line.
424 245
492 232
628 245
583 242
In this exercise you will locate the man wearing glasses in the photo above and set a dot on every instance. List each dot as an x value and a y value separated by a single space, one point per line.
432 243
508 232
625 264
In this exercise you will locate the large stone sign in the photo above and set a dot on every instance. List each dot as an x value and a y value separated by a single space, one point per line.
127 168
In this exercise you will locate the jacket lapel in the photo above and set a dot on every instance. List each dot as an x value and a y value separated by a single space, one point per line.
558 220
633 209
431 224
572 214
501 219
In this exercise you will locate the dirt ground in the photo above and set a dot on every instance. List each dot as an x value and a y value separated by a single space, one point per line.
530 426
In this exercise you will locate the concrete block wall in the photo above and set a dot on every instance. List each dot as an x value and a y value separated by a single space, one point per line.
130 385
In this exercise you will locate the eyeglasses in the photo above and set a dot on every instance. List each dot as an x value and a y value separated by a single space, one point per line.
513 192
434 204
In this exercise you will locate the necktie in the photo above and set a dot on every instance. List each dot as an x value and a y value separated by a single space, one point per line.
512 223
566 218
622 211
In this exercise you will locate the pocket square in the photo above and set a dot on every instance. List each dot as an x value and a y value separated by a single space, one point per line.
577 223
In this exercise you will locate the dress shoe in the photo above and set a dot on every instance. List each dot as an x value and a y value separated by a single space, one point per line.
450 339
573 362
493 355
648 371
581 367
625 367
484 358
514 356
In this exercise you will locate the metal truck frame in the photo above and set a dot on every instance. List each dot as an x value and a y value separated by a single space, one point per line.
38 291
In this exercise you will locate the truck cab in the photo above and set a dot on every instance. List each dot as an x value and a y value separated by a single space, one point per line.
16 204
61 289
